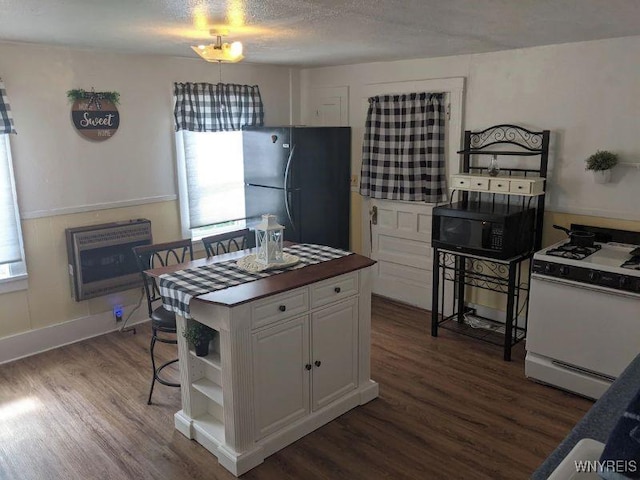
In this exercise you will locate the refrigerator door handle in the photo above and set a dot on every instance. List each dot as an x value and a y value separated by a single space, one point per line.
287 169
287 192
287 207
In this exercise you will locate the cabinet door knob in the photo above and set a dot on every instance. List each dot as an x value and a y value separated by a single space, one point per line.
520 187
317 363
499 184
282 308
337 289
307 366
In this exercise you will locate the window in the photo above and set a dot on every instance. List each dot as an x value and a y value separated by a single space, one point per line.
211 182
12 265
209 119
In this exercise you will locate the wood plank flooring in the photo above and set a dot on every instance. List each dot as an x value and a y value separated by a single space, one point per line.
449 408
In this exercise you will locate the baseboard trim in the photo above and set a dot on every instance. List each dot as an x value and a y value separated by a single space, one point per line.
41 340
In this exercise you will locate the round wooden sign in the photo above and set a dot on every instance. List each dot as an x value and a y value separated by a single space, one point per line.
95 119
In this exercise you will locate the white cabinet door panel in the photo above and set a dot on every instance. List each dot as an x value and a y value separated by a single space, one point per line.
334 339
280 382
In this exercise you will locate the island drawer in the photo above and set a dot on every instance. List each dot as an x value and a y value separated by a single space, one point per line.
279 307
334 289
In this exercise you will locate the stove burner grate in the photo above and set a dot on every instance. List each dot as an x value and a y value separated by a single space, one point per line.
574 252
633 263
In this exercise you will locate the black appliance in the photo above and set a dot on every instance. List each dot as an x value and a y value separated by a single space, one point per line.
487 229
301 175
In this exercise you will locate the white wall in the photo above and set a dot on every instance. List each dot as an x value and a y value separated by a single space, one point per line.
587 94
64 180
59 171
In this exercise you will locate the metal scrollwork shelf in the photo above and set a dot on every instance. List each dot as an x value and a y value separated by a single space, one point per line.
507 277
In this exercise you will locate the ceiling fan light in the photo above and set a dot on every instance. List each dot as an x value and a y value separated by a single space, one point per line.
236 49
220 52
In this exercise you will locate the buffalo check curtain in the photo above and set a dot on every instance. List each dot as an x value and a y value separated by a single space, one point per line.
208 107
6 120
403 149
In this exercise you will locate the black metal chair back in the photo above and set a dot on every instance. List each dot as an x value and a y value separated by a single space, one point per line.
227 242
160 255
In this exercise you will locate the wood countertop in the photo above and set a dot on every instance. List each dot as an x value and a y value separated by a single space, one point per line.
250 291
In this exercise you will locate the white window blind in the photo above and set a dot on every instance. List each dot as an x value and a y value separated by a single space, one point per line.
211 178
10 235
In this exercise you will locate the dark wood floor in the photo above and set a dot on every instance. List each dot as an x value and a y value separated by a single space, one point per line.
449 408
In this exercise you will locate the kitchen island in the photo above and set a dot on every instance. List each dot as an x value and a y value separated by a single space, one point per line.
292 354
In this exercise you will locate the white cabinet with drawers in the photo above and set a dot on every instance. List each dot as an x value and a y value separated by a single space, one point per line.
285 363
527 186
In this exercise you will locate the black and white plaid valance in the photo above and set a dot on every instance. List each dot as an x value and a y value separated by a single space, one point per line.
403 149
208 107
6 120
178 288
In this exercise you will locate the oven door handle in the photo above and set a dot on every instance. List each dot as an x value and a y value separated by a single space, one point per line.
584 286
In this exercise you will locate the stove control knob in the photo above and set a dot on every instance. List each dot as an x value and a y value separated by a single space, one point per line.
549 268
594 276
625 282
564 270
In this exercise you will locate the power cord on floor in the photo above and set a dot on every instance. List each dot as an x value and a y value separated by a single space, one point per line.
123 327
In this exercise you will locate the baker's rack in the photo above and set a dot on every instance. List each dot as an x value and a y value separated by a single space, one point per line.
510 276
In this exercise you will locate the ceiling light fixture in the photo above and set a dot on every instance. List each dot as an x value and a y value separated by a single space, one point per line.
221 52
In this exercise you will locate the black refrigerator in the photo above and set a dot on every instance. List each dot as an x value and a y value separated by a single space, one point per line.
302 176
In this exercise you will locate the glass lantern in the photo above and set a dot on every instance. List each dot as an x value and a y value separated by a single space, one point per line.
269 237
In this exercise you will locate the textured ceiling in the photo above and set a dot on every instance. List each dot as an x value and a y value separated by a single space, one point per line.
318 32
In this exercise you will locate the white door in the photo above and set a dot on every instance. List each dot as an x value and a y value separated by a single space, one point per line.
401 245
334 352
399 238
281 381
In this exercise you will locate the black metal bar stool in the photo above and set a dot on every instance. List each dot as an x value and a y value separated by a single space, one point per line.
223 242
163 322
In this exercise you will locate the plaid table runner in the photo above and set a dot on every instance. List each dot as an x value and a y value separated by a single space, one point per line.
178 288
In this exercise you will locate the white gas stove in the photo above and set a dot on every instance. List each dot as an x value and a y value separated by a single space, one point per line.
584 313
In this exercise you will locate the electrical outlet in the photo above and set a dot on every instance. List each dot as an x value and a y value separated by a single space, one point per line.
355 181
117 312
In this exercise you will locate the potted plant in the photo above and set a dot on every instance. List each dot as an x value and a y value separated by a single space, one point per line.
601 164
199 335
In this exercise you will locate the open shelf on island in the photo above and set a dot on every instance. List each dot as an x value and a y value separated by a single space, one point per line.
213 359
209 426
209 389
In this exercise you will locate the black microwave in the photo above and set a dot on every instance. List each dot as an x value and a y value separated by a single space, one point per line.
486 229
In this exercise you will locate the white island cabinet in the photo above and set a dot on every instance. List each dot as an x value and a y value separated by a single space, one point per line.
292 354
